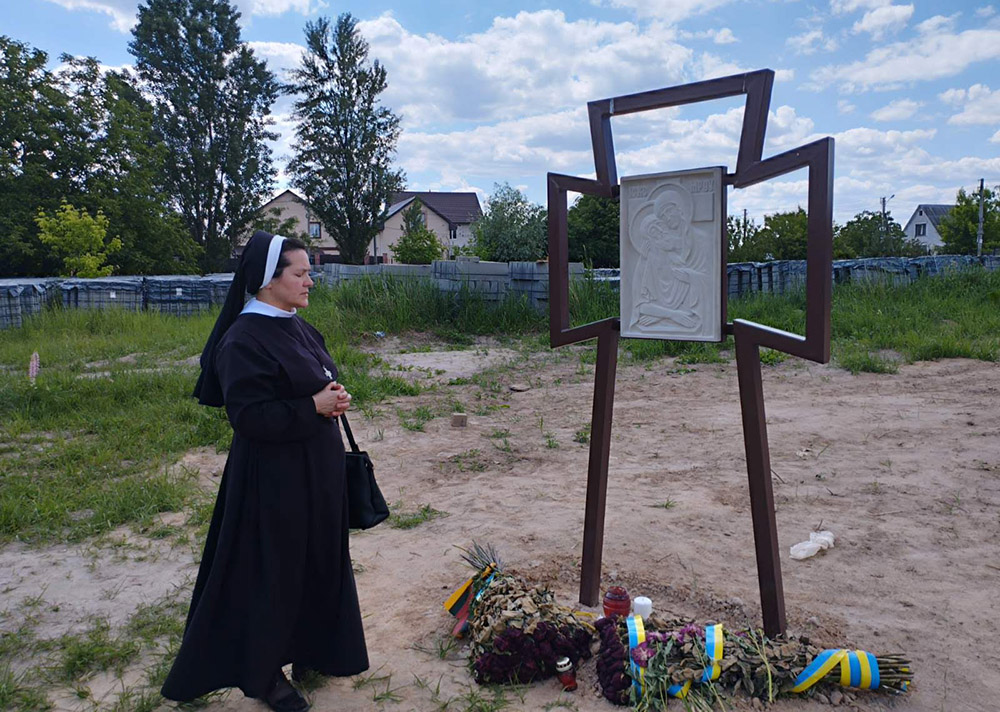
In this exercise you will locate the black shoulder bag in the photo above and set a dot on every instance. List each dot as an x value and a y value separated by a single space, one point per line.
366 506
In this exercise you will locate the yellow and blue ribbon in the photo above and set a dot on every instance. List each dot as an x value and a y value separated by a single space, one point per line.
857 669
714 643
713 649
636 635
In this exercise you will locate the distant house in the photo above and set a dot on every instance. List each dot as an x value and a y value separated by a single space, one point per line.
923 224
289 204
447 215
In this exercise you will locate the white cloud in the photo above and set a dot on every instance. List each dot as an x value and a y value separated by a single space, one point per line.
933 57
841 7
881 20
845 107
530 63
722 36
280 7
979 105
122 12
896 110
938 23
725 36
671 11
280 56
952 96
995 138
811 41
985 11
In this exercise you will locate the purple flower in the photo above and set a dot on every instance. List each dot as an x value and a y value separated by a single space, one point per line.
642 653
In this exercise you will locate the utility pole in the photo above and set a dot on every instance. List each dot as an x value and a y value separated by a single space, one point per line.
885 221
979 230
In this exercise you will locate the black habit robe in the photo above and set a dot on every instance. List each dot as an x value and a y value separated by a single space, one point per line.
275 584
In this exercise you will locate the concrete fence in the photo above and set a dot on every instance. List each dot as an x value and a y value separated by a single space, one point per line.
183 294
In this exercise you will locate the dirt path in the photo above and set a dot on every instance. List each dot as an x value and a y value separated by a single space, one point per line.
904 469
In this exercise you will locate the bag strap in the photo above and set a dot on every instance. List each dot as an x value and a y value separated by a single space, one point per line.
350 435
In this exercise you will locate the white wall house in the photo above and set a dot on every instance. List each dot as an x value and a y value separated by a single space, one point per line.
923 224
288 204
447 215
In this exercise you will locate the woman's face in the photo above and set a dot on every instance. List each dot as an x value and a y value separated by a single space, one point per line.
291 289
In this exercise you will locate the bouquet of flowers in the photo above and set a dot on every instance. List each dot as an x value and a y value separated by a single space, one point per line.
517 631
675 661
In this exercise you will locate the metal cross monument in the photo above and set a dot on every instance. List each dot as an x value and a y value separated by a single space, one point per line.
673 247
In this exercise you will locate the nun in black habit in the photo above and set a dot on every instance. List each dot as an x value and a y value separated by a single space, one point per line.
275 584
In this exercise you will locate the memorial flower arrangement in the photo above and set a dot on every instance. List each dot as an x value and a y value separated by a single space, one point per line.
517 632
673 661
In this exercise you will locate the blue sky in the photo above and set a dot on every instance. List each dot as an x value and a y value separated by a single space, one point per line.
491 92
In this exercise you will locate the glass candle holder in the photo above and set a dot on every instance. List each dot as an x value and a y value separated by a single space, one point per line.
566 674
617 602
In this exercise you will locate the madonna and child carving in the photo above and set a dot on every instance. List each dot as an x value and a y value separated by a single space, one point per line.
671 255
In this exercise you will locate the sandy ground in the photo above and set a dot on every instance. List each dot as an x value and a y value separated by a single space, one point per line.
904 469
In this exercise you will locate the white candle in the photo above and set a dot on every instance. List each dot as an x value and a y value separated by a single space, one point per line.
642 606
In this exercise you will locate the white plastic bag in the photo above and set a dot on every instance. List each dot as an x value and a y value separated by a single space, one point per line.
817 542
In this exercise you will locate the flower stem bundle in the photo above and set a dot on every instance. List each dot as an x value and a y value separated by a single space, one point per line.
672 662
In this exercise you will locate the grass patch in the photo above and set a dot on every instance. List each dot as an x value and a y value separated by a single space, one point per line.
18 696
95 650
415 419
582 435
469 461
409 519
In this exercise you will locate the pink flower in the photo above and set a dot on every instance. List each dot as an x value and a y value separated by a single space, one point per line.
34 366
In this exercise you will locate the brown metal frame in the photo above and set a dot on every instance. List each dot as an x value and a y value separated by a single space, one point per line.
748 336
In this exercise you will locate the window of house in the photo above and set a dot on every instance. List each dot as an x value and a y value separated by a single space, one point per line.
920 230
314 230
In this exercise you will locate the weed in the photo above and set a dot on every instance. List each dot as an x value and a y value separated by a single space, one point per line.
94 651
770 357
399 519
444 647
469 461
665 504
416 419
550 441
582 435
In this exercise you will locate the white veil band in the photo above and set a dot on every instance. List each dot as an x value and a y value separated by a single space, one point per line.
273 253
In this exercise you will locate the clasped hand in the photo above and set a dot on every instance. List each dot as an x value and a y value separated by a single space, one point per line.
332 401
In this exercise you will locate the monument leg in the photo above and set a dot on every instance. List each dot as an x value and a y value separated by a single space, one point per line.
597 470
765 528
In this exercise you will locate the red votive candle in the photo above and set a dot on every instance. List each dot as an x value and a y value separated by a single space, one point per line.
617 602
567 677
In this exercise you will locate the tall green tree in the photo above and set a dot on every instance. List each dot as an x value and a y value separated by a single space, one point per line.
958 228
126 162
745 240
511 229
345 140
212 99
593 226
867 234
784 235
35 172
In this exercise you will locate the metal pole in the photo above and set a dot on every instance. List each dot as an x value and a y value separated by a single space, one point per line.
979 231
597 470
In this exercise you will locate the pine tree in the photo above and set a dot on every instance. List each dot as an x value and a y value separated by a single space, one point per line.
213 100
346 140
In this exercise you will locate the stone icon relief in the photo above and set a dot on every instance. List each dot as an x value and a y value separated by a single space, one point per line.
671 255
